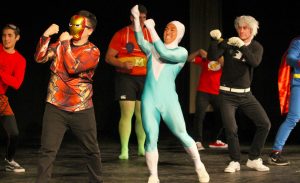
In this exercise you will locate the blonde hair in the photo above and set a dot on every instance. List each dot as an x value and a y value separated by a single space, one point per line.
249 20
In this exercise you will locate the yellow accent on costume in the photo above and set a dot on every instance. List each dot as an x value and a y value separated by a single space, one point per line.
296 76
138 61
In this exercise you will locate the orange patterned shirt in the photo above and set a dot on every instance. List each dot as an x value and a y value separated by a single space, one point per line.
70 86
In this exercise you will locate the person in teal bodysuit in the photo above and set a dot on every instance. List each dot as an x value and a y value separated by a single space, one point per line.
159 98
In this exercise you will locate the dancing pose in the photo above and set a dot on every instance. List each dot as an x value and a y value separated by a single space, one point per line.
159 98
290 62
130 62
12 70
69 102
208 93
241 55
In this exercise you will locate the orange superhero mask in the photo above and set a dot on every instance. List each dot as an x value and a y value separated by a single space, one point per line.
77 25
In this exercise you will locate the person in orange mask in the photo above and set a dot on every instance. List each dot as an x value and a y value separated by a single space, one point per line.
69 102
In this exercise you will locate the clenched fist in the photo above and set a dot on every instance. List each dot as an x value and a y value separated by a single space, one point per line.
149 23
53 29
235 41
135 11
215 34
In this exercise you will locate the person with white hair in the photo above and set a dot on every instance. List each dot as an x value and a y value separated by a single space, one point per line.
159 97
241 55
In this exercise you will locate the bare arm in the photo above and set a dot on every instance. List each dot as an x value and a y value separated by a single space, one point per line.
200 52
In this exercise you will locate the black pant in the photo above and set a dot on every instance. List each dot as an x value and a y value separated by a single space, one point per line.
249 105
83 125
202 101
11 128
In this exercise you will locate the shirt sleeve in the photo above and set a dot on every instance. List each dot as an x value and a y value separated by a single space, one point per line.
15 79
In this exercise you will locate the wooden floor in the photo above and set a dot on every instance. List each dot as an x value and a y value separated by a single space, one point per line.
174 165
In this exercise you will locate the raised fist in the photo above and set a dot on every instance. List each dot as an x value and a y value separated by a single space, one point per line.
149 23
215 34
53 29
235 41
135 11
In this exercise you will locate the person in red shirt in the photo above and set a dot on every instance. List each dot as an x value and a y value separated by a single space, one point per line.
12 71
207 93
69 102
130 63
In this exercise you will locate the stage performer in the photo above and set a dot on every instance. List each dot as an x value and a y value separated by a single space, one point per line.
159 98
12 71
130 63
69 104
241 55
289 91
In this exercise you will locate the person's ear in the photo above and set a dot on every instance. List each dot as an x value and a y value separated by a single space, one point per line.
18 37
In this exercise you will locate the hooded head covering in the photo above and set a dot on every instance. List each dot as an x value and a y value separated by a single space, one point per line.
180 32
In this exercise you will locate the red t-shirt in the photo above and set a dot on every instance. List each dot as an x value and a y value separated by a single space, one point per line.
12 70
209 79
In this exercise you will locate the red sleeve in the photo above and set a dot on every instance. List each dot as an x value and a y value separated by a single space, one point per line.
41 50
199 60
15 79
86 59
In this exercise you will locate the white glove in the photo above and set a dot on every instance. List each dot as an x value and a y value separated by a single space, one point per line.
235 41
215 34
150 24
136 18
135 12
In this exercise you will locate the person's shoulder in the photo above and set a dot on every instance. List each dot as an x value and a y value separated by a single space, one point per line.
256 43
93 47
123 29
20 57
182 49
297 38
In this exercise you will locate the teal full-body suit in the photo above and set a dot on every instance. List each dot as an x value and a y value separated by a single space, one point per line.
159 98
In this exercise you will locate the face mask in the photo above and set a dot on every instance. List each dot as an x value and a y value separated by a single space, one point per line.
77 25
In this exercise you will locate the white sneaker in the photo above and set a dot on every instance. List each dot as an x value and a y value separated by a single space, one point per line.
202 174
12 166
153 179
233 167
257 164
199 146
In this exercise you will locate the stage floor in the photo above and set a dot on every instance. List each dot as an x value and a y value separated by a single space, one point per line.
174 165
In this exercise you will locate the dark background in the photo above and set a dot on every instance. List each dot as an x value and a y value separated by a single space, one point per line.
279 23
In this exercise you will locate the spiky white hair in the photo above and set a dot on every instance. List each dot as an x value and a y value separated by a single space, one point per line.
249 20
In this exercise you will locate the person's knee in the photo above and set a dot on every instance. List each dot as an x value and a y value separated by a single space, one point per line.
14 135
151 143
266 125
231 131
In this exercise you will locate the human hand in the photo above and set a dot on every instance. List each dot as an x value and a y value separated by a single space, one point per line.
135 12
65 36
128 65
202 53
235 41
53 29
149 23
215 34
